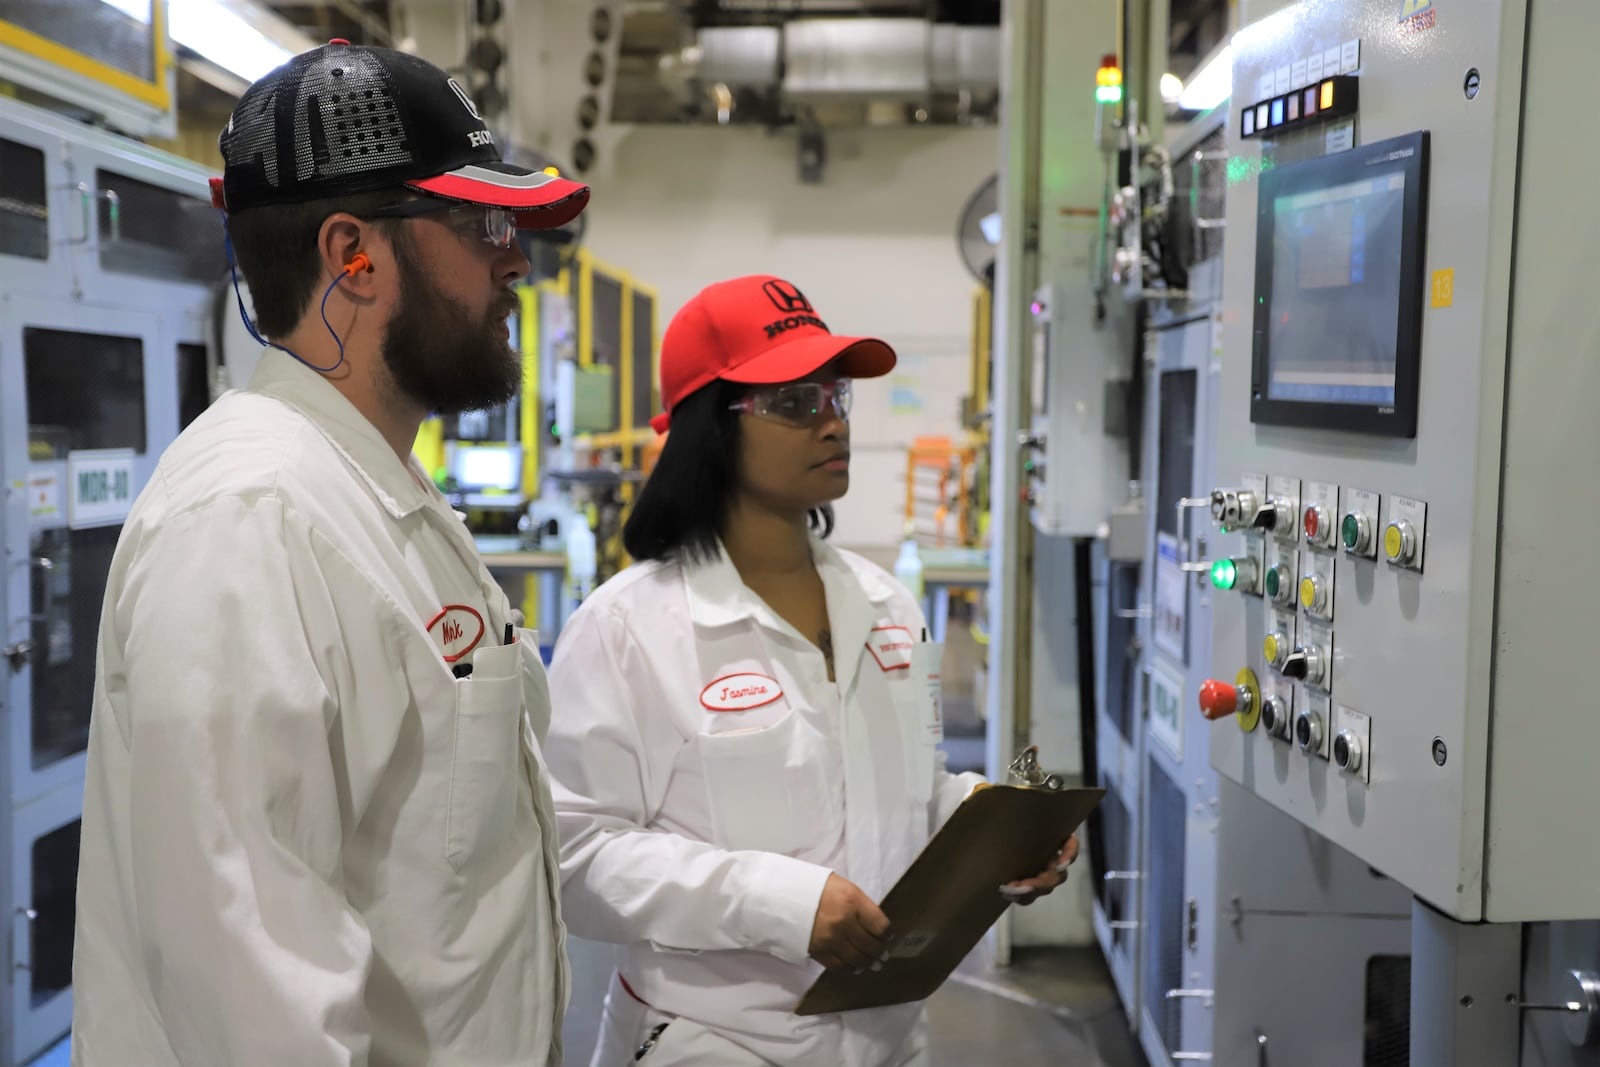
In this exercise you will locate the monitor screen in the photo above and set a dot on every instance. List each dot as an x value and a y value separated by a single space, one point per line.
1335 280
487 467
1338 290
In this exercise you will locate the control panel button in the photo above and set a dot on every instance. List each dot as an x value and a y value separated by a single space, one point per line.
1280 584
1237 572
1356 533
1276 515
1306 664
1314 594
1347 751
1219 699
1308 731
1275 649
1315 524
1235 509
1400 543
1275 717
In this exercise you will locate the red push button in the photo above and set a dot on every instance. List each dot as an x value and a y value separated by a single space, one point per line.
1313 523
1218 699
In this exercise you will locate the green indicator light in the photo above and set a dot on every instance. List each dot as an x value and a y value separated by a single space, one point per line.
1350 530
1109 94
1224 573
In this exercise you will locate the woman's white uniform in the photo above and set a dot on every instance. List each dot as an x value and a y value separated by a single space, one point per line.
709 778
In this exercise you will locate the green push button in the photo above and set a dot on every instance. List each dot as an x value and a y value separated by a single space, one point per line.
1224 574
1350 531
1274 580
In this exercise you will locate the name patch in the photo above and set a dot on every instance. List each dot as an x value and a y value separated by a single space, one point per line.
740 692
457 629
891 647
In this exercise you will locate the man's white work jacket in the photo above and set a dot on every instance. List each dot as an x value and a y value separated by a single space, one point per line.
305 840
709 777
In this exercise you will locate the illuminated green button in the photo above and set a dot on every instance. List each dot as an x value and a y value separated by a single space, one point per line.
1350 531
1224 574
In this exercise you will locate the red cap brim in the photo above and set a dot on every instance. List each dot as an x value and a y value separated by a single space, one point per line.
541 201
858 357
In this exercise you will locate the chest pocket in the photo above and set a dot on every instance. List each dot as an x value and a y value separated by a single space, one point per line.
766 787
485 760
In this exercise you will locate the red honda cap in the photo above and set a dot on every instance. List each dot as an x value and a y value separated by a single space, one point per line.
756 330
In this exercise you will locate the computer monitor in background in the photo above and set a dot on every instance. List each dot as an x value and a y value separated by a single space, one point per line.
480 468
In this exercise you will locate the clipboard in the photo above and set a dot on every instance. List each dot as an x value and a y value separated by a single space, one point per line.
950 895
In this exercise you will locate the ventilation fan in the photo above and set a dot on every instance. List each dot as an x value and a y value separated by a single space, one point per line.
978 235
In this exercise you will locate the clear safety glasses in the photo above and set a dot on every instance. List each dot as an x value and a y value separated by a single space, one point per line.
799 404
491 225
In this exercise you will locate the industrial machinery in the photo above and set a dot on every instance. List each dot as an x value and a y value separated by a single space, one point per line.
92 389
1399 610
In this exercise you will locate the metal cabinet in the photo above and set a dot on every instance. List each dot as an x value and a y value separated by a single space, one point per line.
110 261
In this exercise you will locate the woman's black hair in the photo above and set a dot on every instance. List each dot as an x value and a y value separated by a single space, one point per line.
683 505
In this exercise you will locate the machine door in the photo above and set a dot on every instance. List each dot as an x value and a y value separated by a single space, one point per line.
85 406
1117 729
1178 845
43 891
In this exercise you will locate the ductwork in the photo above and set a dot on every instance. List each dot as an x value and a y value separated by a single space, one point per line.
740 57
862 59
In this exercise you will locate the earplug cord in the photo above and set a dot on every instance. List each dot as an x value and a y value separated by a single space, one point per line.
233 270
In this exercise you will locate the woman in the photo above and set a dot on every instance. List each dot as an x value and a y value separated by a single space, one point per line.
743 758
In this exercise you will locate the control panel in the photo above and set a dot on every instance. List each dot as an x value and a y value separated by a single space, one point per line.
1074 453
1398 411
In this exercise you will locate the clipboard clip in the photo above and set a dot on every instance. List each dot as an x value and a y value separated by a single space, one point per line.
1025 770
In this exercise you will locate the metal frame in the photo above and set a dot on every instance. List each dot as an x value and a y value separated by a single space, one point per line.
138 107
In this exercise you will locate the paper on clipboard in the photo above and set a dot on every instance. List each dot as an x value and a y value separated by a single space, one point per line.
950 895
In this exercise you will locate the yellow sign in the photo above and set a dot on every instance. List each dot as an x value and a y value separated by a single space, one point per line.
1412 7
1444 288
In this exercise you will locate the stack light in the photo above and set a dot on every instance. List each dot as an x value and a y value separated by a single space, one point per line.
1108 81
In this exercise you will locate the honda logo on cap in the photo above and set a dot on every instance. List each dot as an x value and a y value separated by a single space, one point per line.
787 299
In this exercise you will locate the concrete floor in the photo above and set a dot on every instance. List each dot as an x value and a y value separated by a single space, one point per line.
1051 1008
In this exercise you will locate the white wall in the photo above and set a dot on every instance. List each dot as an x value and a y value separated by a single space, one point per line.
873 246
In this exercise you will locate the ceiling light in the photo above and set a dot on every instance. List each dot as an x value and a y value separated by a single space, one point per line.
215 30
1211 84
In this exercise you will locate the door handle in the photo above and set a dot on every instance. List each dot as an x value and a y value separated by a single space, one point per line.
1184 506
28 916
18 655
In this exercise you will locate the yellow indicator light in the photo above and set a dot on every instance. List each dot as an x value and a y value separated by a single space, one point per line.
1109 73
1327 96
1308 593
553 172
1392 542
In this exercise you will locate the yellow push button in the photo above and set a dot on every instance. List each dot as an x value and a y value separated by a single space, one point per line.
1270 649
1393 542
1308 593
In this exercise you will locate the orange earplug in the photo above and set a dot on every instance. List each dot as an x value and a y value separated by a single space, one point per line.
358 262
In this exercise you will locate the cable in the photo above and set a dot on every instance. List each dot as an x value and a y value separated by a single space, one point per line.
227 240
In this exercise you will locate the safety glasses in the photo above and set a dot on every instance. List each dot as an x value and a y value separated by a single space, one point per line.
491 225
798 404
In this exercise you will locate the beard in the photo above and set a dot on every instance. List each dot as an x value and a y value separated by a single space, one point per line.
442 358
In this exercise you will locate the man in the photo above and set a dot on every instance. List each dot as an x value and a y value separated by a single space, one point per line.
317 828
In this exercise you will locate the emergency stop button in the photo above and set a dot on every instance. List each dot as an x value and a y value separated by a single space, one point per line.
1218 699
1242 699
